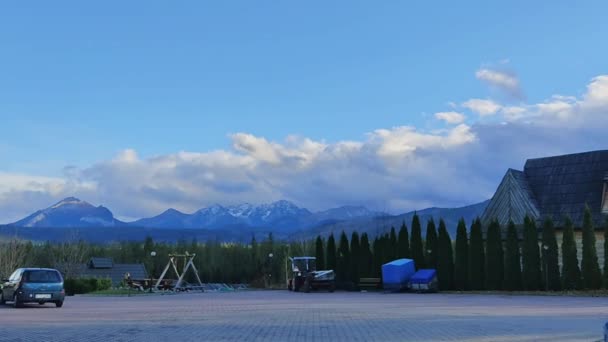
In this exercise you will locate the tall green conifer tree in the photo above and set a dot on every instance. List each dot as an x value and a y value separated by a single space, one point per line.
494 257
477 264
431 244
445 258
571 272
550 257
513 280
590 269
320 253
531 257
461 260
416 247
403 244
330 256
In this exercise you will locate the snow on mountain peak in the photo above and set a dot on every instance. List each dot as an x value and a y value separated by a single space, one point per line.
68 201
241 210
32 222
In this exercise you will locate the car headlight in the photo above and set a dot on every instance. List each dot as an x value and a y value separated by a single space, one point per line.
299 274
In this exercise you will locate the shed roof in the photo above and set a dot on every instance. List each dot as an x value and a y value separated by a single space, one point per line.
100 262
116 273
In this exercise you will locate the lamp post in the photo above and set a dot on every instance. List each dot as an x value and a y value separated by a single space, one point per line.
152 255
545 252
270 256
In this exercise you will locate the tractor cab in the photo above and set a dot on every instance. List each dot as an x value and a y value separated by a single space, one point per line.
303 264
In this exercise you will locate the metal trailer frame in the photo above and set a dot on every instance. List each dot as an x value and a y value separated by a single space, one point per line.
188 263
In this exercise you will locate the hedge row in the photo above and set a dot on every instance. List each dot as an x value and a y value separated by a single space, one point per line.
86 285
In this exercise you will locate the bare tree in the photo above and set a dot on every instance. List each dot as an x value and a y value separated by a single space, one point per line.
13 254
67 257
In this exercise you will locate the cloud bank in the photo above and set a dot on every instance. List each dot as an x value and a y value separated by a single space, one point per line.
394 169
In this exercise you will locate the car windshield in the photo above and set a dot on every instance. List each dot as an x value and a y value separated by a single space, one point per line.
42 276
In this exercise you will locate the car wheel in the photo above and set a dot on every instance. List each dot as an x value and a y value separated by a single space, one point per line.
16 302
58 304
2 301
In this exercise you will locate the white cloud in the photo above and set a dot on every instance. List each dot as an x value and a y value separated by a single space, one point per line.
597 93
505 81
482 107
450 117
396 169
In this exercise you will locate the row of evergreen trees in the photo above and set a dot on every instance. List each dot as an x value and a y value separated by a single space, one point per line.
472 263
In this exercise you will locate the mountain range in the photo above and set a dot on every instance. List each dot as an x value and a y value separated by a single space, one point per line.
280 215
227 223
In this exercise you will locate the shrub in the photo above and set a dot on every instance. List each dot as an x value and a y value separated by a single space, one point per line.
86 285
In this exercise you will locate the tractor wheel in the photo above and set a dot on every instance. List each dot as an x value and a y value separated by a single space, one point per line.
307 285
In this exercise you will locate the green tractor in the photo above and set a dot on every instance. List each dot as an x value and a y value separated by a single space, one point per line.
305 277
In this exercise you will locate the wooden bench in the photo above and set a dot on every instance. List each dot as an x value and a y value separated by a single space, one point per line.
370 283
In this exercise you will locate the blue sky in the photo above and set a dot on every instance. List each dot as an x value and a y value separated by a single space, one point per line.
81 83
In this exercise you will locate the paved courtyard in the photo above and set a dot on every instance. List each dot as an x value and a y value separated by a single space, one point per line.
285 316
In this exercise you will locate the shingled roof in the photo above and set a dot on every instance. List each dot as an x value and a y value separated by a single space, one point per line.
105 268
554 187
513 200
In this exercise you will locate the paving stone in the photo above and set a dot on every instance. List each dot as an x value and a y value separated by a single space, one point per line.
286 316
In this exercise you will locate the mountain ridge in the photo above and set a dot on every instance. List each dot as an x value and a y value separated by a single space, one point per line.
284 215
230 223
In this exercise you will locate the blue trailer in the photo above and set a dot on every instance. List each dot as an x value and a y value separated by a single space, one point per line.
397 273
424 280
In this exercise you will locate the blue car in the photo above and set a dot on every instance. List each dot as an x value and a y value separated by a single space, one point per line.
33 285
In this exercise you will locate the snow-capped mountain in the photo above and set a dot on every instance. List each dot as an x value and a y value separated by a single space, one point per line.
214 216
281 216
281 213
70 212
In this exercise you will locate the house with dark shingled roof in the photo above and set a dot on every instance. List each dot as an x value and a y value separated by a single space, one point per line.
553 187
106 268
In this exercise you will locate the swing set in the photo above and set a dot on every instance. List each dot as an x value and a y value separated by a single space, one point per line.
188 263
